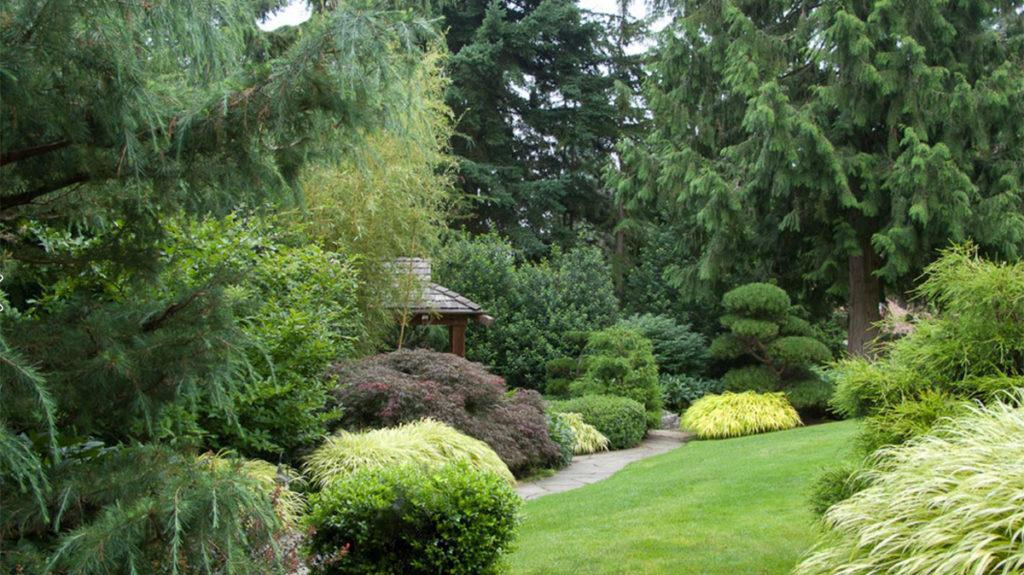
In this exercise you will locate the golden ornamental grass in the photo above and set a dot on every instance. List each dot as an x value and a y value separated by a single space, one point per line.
950 502
736 414
588 438
427 442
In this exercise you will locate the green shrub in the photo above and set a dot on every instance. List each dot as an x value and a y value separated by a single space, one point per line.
736 414
837 484
677 349
775 348
425 443
620 362
564 435
588 438
947 502
909 419
621 420
680 391
409 520
541 306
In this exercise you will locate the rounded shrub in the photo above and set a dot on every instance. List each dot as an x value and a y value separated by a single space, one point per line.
409 520
736 414
622 420
677 348
620 361
759 300
947 502
425 443
587 438
759 378
409 385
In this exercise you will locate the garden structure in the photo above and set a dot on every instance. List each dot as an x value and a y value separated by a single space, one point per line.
433 304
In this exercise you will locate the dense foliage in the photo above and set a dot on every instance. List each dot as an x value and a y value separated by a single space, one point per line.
620 419
619 361
563 433
408 520
736 414
947 502
774 348
539 304
405 386
426 443
832 145
678 350
680 391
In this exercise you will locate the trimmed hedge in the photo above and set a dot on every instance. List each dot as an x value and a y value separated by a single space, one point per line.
408 520
622 420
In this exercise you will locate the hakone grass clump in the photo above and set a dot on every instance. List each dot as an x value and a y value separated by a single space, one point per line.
411 520
736 414
620 419
425 443
587 438
408 385
729 507
947 502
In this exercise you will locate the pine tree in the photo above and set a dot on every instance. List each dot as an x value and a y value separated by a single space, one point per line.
836 146
118 117
536 117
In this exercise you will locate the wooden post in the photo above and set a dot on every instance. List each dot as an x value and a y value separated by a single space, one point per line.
457 337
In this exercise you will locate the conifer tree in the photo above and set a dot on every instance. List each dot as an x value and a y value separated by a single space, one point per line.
836 146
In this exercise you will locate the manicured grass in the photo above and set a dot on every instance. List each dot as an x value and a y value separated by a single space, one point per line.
731 507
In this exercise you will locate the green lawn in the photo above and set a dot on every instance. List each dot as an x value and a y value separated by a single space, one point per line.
734 507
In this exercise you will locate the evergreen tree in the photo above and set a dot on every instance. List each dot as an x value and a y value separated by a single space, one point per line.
835 146
536 117
118 117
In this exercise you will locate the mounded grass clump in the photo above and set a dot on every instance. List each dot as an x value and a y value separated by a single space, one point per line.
952 502
426 443
588 438
736 414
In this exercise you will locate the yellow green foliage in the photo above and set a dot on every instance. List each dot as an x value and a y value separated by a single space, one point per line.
947 502
588 438
427 443
289 505
736 414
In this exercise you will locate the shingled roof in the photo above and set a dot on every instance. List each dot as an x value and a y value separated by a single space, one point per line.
431 297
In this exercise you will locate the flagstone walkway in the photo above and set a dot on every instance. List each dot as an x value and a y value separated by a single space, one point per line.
586 469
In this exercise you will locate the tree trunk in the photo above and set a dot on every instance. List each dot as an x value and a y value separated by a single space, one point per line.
865 295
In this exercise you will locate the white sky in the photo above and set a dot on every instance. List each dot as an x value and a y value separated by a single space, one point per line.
298 12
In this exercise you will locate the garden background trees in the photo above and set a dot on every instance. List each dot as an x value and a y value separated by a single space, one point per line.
833 146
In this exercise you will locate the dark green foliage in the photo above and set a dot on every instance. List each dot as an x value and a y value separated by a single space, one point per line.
837 484
563 436
622 420
678 350
775 348
407 520
539 307
619 361
834 146
536 117
405 386
679 391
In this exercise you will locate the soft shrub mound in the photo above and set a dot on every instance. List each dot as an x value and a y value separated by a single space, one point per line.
564 435
408 520
770 347
952 502
736 414
677 349
425 443
680 391
587 438
405 386
622 420
620 361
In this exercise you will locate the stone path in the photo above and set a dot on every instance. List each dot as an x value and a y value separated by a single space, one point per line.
586 469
